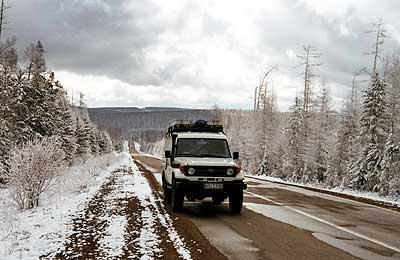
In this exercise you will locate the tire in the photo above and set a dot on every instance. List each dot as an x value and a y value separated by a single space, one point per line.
177 198
236 201
166 190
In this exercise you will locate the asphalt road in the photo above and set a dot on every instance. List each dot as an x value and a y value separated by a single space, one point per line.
285 222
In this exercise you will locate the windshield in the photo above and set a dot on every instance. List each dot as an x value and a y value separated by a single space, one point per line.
201 147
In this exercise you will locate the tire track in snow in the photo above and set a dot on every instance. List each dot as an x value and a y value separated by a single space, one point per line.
87 228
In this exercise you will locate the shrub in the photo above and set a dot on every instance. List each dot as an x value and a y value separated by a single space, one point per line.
33 166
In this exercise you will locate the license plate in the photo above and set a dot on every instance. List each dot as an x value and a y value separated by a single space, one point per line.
214 186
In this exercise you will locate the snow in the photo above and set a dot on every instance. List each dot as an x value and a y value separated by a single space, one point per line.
365 195
154 212
113 242
148 240
152 155
158 177
137 147
32 233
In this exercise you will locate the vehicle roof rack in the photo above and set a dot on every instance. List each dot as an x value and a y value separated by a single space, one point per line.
176 126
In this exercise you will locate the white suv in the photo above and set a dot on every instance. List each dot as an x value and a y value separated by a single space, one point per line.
197 163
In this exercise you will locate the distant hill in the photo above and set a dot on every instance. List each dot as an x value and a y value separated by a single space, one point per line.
131 122
108 110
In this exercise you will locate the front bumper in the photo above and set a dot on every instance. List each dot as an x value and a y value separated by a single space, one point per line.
197 187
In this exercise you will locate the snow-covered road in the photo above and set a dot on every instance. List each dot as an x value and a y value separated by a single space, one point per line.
119 215
126 219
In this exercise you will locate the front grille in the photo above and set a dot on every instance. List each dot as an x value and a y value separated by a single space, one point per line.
214 171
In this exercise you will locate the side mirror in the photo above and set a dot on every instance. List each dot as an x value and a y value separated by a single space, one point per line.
235 155
167 154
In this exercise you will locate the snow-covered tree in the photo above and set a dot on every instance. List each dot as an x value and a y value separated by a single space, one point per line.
82 139
66 130
269 129
94 140
321 140
294 156
34 56
392 77
8 100
366 172
345 147
105 143
8 54
389 182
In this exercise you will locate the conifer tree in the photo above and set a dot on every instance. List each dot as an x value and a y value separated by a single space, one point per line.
321 140
65 128
93 135
105 143
82 140
8 100
345 145
294 161
34 55
365 174
389 179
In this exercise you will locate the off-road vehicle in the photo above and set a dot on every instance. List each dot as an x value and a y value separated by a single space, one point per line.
198 163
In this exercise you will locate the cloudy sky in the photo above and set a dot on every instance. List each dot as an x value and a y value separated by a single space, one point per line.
198 53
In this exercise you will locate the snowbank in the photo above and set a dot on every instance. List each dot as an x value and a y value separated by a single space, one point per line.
357 194
155 149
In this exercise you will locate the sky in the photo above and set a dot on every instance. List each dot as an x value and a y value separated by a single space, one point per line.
196 54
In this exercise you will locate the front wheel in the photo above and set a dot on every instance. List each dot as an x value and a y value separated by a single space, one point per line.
167 191
236 201
177 198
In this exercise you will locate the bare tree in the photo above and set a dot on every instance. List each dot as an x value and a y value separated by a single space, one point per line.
262 87
216 114
8 53
81 100
307 59
3 21
380 31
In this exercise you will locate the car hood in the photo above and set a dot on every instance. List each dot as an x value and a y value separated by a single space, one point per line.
193 161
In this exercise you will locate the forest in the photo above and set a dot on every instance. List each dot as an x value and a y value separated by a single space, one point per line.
355 148
41 132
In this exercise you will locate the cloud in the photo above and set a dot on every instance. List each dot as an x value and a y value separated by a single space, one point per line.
197 53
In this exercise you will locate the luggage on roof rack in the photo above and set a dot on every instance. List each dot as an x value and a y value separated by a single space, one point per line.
198 126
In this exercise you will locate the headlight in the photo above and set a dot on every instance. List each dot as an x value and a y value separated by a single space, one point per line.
230 171
191 171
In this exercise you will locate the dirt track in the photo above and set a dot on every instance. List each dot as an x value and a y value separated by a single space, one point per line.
89 227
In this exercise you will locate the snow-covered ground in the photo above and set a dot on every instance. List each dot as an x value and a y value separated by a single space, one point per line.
117 196
365 195
32 233
153 212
